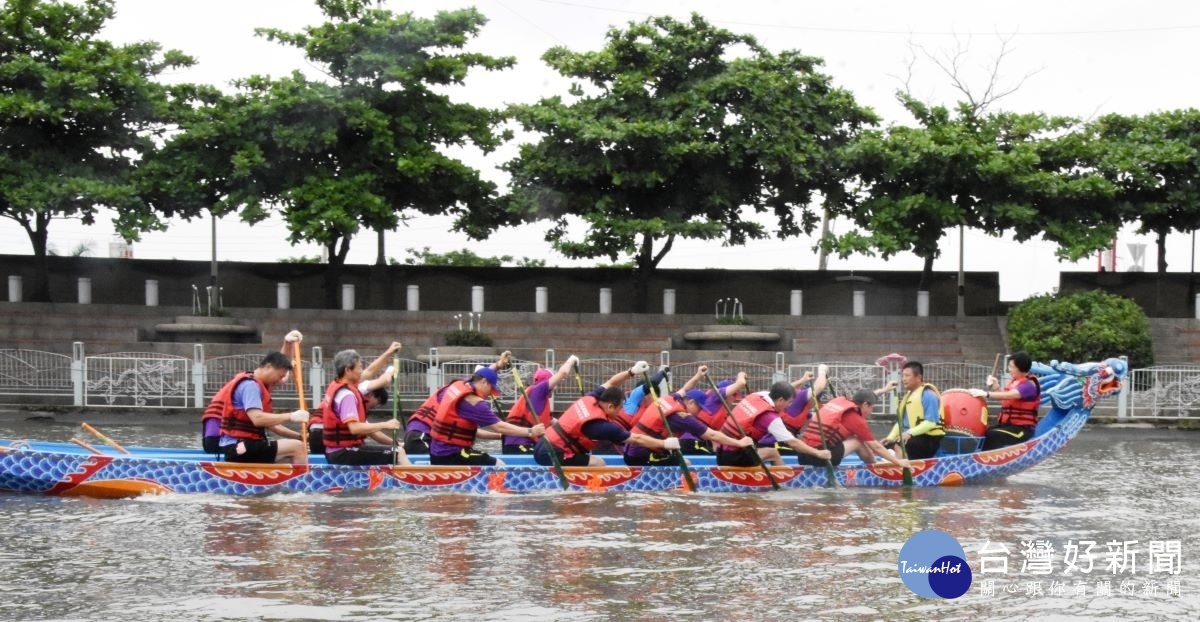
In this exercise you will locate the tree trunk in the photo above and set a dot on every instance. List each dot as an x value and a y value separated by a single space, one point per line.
926 275
642 272
39 289
1161 243
338 249
381 256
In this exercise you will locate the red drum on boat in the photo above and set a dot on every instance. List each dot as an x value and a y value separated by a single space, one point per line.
963 413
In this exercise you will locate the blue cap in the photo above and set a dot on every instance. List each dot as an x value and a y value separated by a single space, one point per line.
489 374
697 396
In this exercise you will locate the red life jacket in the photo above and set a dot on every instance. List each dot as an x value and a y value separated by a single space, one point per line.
220 401
714 420
234 421
795 423
448 427
1023 413
520 415
337 433
566 433
831 415
745 414
650 422
428 409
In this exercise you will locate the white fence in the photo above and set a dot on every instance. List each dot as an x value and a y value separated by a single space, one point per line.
148 379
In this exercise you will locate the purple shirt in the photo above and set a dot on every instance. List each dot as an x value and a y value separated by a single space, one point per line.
1027 389
539 394
479 413
680 425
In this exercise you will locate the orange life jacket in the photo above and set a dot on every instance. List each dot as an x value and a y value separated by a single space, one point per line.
831 415
716 419
650 422
745 414
234 421
520 414
428 409
795 423
1023 413
448 427
337 433
566 433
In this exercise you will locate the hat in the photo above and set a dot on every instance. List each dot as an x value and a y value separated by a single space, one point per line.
863 396
541 375
489 374
696 395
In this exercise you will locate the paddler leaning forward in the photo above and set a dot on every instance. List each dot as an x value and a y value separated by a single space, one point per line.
590 420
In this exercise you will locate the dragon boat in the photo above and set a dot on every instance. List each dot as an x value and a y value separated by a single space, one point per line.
1069 391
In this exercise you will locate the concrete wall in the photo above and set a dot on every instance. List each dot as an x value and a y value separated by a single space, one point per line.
571 290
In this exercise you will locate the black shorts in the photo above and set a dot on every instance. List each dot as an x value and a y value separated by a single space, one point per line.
1004 435
361 455
541 455
922 446
743 457
255 451
837 452
516 450
654 459
316 440
416 442
212 445
695 447
467 457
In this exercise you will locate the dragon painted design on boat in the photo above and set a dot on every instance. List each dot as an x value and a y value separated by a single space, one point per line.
1069 392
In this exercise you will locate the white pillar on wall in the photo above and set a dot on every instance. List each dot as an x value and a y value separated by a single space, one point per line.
151 293
85 290
860 303
414 298
347 296
477 298
668 302
14 288
283 296
541 299
605 300
922 304
797 302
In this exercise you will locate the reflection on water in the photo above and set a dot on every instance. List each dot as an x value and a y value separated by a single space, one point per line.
819 554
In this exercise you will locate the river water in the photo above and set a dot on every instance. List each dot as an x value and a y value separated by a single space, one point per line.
807 554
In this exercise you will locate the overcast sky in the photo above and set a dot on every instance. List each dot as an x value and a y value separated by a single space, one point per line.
1072 58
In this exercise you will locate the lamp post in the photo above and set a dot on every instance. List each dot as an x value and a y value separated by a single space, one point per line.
961 280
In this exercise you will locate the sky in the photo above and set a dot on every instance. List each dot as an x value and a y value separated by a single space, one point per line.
1075 58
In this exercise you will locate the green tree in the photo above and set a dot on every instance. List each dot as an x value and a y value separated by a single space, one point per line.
1086 326
670 131
358 149
76 115
1022 173
465 257
1155 161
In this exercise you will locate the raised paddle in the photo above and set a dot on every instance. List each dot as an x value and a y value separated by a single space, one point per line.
753 449
687 473
579 381
298 366
555 462
97 434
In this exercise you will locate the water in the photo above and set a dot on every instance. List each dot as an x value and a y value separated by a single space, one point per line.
806 554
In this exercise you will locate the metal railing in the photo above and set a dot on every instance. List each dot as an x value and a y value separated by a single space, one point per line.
149 379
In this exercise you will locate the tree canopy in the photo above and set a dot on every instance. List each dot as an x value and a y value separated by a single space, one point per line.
678 130
1023 173
77 114
360 147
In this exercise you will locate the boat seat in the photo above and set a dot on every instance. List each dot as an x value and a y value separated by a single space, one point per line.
954 443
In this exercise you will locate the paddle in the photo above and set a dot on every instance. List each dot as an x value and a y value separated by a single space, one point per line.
97 434
86 446
557 464
831 473
579 381
298 366
908 478
687 473
395 409
753 449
